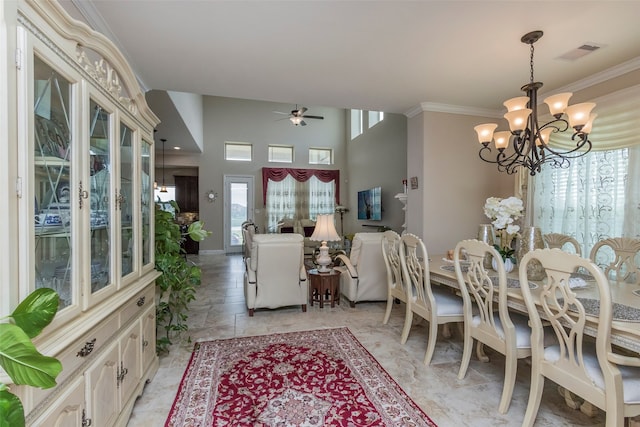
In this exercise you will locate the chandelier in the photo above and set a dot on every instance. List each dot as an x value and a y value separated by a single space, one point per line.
530 140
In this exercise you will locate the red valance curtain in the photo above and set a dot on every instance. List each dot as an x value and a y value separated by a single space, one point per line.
301 175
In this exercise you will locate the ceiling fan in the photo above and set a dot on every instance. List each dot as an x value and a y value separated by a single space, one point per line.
297 116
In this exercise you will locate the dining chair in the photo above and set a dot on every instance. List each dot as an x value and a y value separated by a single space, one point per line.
624 265
505 332
558 240
391 242
589 369
434 304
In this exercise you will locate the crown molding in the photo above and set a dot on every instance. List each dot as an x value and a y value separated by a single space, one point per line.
597 78
97 22
452 109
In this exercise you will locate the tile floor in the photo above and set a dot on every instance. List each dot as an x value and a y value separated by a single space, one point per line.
219 312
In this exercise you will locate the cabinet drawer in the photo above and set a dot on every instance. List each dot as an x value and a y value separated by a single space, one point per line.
68 410
137 305
78 352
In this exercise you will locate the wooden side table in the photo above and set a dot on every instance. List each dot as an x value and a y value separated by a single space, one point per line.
323 285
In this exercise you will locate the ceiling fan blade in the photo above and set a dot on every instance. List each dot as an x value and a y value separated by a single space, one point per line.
280 112
314 117
302 110
302 123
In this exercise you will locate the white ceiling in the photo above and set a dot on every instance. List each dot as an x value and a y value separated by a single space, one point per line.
377 55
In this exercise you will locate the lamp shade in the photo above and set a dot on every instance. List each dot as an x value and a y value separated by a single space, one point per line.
325 230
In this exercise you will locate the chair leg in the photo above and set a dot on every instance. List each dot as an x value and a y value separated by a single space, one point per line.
387 313
535 395
251 312
511 363
304 308
431 341
466 352
408 319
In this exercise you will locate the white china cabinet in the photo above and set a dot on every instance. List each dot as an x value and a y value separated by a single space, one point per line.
82 147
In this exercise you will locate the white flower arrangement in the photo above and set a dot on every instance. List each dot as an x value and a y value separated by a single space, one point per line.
503 213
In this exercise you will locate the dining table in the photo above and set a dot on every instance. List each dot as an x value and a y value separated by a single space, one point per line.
625 327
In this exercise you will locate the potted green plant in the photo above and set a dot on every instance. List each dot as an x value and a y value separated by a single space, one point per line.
18 355
177 286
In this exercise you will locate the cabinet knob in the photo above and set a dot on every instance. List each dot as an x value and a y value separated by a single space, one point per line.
140 301
87 349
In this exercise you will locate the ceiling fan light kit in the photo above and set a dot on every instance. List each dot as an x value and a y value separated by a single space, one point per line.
297 116
528 139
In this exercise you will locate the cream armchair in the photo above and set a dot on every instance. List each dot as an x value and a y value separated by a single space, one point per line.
364 276
275 275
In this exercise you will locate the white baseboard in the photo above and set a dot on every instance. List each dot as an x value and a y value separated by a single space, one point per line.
211 252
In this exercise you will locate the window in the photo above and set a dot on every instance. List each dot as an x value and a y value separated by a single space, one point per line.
320 156
375 117
356 123
592 199
238 151
297 200
280 153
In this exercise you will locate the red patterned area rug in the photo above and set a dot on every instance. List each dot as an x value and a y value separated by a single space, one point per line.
314 378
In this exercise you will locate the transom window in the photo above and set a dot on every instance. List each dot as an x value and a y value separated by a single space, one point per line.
281 153
356 123
238 151
320 156
375 117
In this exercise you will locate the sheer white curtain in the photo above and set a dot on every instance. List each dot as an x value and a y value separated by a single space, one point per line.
595 198
298 200
280 201
321 197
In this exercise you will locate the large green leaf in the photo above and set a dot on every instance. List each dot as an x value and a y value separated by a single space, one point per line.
36 311
197 232
11 410
23 363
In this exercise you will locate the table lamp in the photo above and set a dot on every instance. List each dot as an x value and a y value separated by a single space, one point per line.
324 232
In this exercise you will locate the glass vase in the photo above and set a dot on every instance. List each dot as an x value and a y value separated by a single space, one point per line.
487 234
531 239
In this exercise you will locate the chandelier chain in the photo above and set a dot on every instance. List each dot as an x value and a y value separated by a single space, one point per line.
531 62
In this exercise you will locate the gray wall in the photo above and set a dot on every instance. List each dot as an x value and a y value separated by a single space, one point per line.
378 157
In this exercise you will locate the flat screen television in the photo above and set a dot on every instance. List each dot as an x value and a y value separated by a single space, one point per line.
370 204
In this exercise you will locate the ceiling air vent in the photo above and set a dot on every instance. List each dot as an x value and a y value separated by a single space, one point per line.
580 51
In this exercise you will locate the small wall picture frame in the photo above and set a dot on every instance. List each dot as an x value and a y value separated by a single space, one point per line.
414 182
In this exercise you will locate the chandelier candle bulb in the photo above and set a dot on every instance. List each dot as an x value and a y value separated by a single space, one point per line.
518 119
558 103
579 114
515 104
485 132
502 139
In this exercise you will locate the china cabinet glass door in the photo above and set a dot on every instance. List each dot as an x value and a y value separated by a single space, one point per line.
100 168
124 202
146 196
52 178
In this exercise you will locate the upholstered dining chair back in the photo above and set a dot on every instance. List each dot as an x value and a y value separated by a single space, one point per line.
363 275
558 240
275 275
507 333
391 242
619 257
588 369
436 305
